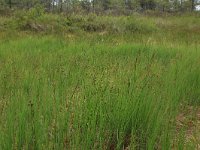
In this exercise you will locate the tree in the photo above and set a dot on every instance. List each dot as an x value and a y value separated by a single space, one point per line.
85 4
10 4
163 4
192 5
147 4
106 4
128 4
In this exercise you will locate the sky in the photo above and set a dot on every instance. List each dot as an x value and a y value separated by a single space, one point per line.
198 7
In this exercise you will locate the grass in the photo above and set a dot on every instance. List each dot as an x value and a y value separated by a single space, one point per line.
100 91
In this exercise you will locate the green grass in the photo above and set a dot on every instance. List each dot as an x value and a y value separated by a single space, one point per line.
96 91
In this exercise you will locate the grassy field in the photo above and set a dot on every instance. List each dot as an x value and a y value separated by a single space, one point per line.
134 86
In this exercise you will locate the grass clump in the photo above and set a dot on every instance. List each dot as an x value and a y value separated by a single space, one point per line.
57 94
122 89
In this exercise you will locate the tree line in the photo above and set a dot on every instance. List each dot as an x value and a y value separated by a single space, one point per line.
99 6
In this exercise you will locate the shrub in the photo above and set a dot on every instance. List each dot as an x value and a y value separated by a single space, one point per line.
26 20
139 25
93 26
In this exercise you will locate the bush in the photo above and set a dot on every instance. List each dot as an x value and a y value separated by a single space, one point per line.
93 26
35 20
26 20
139 25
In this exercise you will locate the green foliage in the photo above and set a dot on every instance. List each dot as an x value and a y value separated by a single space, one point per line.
103 6
37 21
87 95
139 25
125 86
25 19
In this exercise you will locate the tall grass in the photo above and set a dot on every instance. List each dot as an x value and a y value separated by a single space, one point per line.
57 93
